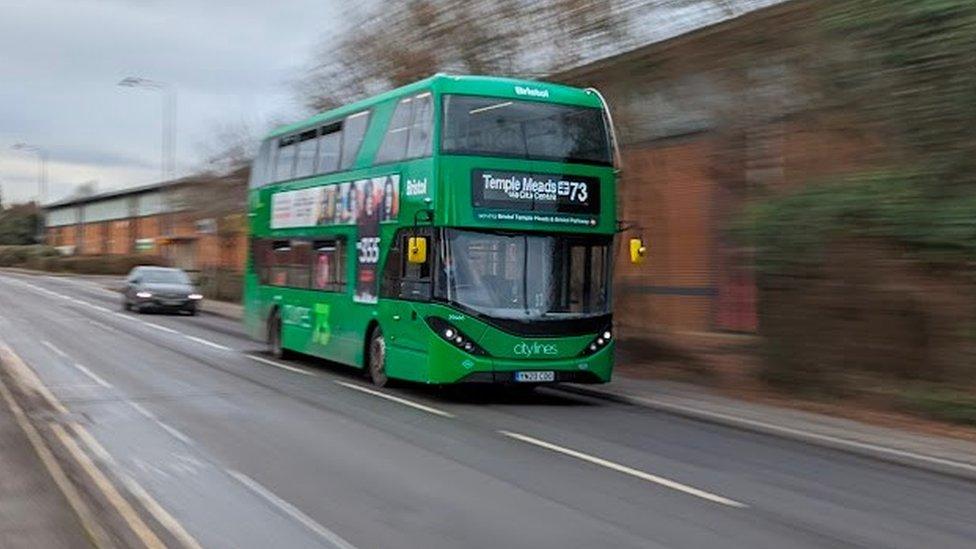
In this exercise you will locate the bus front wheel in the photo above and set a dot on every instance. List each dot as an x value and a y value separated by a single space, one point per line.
376 365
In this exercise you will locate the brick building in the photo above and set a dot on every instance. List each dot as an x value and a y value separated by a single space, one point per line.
707 117
160 219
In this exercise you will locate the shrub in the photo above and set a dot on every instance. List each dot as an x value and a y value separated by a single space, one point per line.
221 284
13 256
107 264
940 403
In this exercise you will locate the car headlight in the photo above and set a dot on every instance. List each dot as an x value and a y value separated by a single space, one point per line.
143 295
600 341
194 296
448 332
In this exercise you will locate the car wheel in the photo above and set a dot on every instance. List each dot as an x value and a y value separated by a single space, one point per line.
376 361
125 305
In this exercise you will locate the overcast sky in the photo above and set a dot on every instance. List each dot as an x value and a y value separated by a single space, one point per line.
60 61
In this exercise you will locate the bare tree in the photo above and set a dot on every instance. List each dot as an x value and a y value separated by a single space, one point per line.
389 46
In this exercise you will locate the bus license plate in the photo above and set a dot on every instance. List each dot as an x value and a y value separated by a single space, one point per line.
535 377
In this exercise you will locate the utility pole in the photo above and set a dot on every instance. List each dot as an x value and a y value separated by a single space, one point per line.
42 168
167 162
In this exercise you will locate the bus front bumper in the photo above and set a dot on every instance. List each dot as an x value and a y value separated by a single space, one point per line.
454 366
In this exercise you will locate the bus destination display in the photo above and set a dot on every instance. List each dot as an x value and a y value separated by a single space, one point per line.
535 192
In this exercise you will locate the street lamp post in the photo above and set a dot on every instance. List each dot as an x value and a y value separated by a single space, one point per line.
42 168
168 150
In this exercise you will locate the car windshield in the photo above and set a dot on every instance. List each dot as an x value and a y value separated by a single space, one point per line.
161 276
492 126
520 276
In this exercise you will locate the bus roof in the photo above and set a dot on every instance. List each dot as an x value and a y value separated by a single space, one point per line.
492 86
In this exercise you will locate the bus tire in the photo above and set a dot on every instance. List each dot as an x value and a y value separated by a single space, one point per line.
376 358
275 347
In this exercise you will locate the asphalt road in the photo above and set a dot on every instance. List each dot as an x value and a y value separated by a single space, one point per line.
248 452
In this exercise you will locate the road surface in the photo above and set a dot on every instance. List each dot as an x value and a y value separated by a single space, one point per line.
245 451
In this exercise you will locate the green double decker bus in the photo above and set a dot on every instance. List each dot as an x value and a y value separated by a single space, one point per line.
458 229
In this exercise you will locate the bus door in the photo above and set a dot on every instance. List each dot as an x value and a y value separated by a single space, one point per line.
405 286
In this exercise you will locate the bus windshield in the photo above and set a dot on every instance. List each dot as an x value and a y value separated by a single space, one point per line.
492 126
523 276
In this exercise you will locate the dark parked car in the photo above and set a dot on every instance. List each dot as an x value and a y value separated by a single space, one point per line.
160 288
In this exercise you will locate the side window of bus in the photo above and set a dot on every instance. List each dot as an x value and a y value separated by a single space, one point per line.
328 267
279 261
394 145
330 138
423 123
353 131
299 273
307 149
285 163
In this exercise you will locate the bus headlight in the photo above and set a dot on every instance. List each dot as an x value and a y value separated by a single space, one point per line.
448 332
599 342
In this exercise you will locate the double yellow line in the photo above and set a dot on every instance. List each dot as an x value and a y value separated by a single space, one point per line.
29 383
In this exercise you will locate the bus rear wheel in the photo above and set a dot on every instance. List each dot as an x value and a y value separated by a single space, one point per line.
275 346
376 361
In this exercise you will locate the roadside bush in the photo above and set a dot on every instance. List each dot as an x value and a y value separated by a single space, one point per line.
221 284
941 404
14 256
105 264
868 277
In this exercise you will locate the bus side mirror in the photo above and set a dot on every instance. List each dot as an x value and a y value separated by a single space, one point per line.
417 249
638 251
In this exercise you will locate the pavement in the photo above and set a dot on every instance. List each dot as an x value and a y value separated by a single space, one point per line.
231 448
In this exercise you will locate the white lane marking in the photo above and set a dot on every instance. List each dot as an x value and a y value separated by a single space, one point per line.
157 326
57 351
667 483
142 410
205 342
801 434
101 325
280 365
397 399
94 377
291 510
176 433
91 375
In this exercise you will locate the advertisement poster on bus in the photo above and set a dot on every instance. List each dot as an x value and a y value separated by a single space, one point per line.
337 204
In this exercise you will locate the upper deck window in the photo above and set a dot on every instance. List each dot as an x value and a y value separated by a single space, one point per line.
329 148
409 132
305 157
353 131
532 130
285 162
